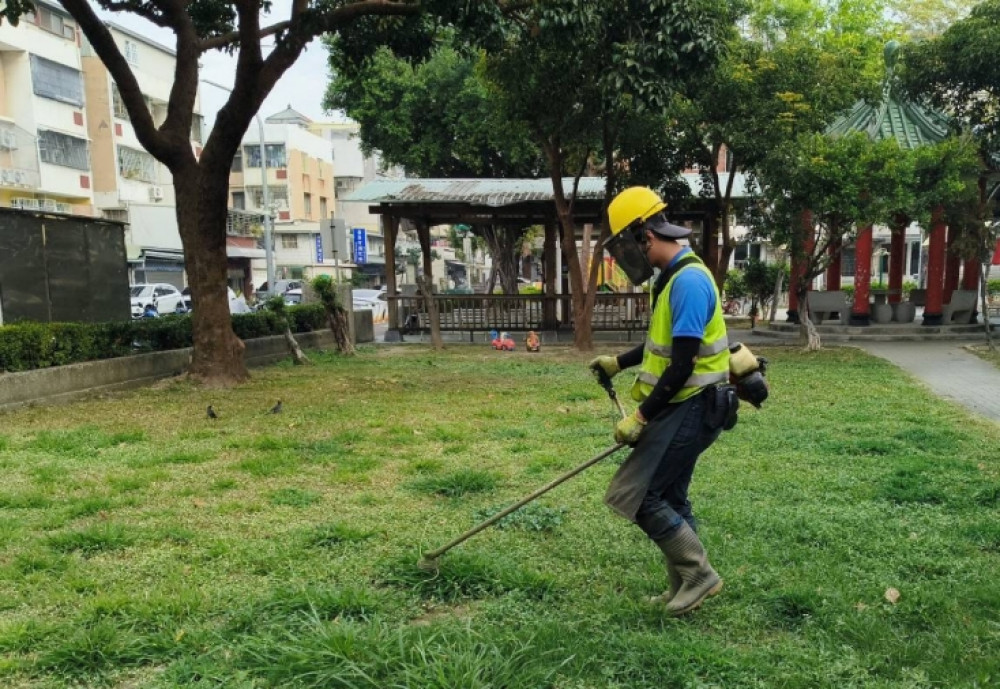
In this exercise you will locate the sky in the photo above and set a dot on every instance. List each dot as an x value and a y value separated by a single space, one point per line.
302 86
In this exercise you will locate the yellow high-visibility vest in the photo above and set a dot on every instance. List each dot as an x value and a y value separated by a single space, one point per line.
712 364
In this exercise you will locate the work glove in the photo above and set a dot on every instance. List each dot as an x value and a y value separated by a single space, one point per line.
608 364
629 429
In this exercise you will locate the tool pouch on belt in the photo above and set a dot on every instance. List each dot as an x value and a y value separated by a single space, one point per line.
721 406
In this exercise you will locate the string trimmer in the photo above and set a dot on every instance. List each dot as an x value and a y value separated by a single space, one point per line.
429 560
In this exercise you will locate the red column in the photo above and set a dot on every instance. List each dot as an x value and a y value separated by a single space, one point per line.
970 274
897 254
833 271
935 270
862 276
952 265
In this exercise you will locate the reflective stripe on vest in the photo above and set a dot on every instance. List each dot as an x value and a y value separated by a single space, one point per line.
712 364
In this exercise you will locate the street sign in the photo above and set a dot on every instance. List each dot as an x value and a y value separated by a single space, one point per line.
319 248
360 245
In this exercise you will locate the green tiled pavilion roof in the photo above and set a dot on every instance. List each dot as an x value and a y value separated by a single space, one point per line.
894 117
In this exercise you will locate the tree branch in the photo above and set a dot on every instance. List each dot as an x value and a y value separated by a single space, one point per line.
107 50
326 22
144 11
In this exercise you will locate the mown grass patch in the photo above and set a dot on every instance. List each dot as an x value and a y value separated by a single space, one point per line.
281 551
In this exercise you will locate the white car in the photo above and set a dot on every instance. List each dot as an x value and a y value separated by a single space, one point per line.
237 304
160 295
371 300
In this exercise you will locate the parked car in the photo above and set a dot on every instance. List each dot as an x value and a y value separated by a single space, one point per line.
161 296
293 296
280 287
371 300
237 304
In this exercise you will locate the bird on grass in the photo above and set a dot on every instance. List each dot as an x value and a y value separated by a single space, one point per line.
210 413
276 409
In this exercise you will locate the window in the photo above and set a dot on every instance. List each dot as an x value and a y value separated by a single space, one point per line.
847 261
131 52
239 200
55 23
237 165
137 165
196 128
278 196
58 82
289 241
275 155
322 207
308 201
62 149
117 104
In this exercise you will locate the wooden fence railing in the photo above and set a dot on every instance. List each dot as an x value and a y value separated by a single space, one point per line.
484 312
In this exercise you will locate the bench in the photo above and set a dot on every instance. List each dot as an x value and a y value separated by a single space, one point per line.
960 309
824 304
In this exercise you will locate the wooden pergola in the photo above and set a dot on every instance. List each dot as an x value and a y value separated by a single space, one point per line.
514 203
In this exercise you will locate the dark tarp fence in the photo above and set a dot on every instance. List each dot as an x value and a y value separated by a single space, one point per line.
62 268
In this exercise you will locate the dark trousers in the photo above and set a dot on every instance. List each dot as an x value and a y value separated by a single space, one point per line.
666 506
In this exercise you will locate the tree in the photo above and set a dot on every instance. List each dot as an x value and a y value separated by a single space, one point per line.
959 73
437 118
579 73
202 182
796 64
818 191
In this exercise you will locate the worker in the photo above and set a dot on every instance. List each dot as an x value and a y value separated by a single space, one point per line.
681 387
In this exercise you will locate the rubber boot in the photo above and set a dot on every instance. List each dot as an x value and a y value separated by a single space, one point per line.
698 580
675 585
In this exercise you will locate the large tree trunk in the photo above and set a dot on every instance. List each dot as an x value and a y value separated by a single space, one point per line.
217 357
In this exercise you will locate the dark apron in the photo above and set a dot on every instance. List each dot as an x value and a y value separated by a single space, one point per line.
631 482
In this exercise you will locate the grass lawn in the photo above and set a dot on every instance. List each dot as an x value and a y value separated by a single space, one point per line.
144 545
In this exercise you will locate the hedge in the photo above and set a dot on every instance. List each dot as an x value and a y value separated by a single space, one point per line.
27 346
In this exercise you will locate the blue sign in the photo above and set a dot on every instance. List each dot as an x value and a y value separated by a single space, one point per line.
319 249
360 245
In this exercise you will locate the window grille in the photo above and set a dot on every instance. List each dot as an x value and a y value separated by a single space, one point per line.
289 241
137 165
237 165
118 214
196 128
58 82
55 23
117 103
131 53
847 261
275 156
62 149
277 195
239 200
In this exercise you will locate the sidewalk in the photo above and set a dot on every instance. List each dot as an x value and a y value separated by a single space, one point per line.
949 370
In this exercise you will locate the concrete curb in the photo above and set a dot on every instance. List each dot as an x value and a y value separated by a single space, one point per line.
61 384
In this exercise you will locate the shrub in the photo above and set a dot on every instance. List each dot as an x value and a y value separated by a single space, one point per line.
28 346
993 287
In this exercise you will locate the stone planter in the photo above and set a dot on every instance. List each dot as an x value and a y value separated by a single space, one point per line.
904 312
882 313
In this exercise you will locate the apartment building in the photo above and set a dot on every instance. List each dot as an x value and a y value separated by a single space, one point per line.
44 145
351 169
298 172
128 183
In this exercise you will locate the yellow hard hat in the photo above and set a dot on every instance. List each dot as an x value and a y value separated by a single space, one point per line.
634 203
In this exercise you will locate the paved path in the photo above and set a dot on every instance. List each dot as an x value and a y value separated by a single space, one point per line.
947 369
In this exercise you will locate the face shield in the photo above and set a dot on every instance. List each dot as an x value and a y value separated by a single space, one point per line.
628 248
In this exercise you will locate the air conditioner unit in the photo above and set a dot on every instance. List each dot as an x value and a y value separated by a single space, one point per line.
156 193
8 141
